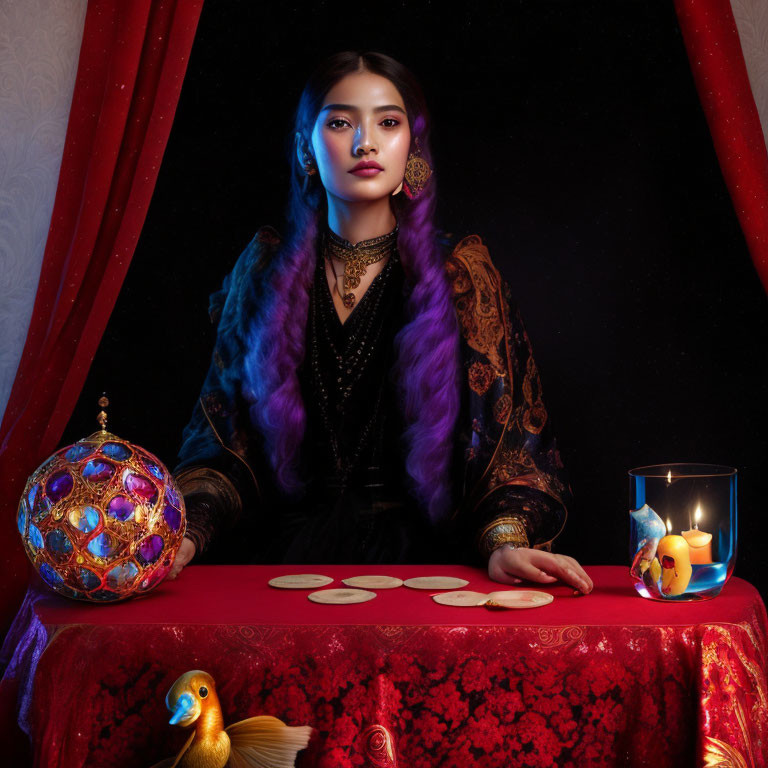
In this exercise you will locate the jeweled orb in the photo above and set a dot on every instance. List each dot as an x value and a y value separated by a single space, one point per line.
101 520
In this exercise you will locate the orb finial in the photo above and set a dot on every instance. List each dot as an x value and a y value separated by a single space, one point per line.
102 417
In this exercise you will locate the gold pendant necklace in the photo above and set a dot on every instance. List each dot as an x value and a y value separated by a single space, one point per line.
356 259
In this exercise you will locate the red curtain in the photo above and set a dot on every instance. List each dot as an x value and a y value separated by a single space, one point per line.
132 62
717 62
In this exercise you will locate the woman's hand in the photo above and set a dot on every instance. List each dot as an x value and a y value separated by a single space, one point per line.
511 566
184 554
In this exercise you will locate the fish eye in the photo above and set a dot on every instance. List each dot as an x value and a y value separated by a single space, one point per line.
203 691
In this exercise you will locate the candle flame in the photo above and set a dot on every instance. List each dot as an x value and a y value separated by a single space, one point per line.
669 526
669 476
697 515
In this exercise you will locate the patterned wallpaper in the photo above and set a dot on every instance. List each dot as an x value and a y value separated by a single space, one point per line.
752 22
39 48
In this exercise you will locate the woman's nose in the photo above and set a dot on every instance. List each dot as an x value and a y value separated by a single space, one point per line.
363 141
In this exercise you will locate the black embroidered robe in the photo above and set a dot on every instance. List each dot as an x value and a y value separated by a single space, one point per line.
505 456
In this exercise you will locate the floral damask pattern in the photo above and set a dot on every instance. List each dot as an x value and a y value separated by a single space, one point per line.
481 377
515 439
450 696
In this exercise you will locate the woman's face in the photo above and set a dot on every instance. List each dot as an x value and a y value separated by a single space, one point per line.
363 118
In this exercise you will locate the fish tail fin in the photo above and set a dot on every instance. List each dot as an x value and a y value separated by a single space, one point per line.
266 742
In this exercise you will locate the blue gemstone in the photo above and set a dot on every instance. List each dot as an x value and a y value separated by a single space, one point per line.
59 486
88 579
78 451
97 470
104 596
85 519
32 495
122 576
172 517
103 545
51 576
121 508
35 537
116 451
22 519
155 470
41 509
58 543
172 496
150 549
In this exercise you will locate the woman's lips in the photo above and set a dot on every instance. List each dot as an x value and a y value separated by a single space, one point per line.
366 171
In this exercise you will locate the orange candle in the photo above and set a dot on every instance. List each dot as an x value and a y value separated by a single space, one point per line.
699 542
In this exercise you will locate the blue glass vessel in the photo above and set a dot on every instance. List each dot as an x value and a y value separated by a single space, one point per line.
682 537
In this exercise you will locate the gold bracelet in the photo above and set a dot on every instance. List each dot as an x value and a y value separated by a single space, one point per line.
503 530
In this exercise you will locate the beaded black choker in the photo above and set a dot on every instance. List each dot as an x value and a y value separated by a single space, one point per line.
356 258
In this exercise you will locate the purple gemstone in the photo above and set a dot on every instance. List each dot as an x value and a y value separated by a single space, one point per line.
59 486
96 470
172 517
150 548
121 508
141 486
172 496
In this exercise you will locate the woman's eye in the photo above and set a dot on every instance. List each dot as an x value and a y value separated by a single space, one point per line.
392 121
336 120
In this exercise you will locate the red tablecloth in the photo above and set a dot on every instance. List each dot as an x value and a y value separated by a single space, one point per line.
607 679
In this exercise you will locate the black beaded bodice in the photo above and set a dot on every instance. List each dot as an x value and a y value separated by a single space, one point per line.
353 424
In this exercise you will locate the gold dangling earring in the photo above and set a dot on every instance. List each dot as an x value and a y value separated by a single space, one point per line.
417 173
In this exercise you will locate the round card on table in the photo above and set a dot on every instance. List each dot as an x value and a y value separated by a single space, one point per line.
518 598
435 582
341 596
373 582
300 581
461 599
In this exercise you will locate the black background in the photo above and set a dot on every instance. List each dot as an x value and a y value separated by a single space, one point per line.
570 137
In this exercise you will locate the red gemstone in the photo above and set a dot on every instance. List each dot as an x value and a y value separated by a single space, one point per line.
141 486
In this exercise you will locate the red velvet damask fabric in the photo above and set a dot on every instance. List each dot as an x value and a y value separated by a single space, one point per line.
607 679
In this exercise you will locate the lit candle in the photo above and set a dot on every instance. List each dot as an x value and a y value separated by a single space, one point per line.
699 542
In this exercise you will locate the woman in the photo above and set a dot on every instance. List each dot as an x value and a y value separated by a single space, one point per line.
372 397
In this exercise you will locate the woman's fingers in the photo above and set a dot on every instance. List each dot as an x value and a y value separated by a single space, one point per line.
565 568
517 562
184 554
499 574
579 571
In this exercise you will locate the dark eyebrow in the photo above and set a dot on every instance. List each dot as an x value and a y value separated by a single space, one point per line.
352 108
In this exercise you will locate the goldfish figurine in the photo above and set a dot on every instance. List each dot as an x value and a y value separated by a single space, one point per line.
676 567
258 742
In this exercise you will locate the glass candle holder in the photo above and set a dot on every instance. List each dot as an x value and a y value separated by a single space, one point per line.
682 530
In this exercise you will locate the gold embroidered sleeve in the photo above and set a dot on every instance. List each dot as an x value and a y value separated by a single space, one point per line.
503 530
211 501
